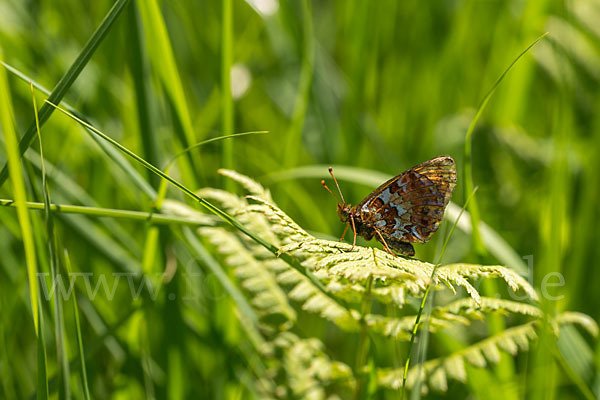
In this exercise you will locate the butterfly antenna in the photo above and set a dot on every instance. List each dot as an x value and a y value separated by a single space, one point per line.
336 184
329 190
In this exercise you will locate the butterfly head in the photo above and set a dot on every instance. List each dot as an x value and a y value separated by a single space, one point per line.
343 211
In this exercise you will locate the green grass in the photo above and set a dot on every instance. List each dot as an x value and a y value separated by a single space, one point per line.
371 88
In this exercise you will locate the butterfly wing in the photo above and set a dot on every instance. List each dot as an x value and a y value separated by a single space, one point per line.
410 206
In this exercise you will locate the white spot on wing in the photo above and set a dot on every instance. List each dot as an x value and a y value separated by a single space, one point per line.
415 233
399 209
385 195
399 225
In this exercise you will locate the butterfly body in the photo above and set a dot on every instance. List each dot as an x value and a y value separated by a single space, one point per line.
406 209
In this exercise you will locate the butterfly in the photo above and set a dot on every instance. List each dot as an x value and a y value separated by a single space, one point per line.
406 209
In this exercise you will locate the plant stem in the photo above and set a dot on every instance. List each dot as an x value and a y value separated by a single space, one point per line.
363 344
429 285
109 212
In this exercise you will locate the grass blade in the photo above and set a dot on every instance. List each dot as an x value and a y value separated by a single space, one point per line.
84 379
18 185
59 323
163 60
67 80
473 208
226 96
110 151
42 363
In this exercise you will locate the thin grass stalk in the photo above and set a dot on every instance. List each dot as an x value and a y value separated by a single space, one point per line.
93 347
59 323
424 300
80 347
152 236
42 361
473 208
479 247
69 78
363 344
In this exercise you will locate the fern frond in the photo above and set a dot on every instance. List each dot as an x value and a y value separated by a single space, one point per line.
583 320
308 369
475 310
267 296
279 218
401 328
316 302
174 207
341 273
230 202
249 184
364 263
304 249
390 294
456 273
479 355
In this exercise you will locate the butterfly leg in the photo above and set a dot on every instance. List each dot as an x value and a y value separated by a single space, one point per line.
385 245
345 230
353 230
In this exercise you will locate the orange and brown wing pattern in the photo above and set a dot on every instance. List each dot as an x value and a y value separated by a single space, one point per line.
441 171
410 207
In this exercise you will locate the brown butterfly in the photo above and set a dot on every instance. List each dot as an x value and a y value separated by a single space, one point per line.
406 209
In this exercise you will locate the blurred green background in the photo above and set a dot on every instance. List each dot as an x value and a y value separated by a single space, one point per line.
379 85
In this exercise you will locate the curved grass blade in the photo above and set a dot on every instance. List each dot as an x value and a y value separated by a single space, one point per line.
18 185
67 80
152 234
293 262
112 153
473 208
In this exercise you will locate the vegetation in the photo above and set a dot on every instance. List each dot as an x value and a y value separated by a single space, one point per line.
157 242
